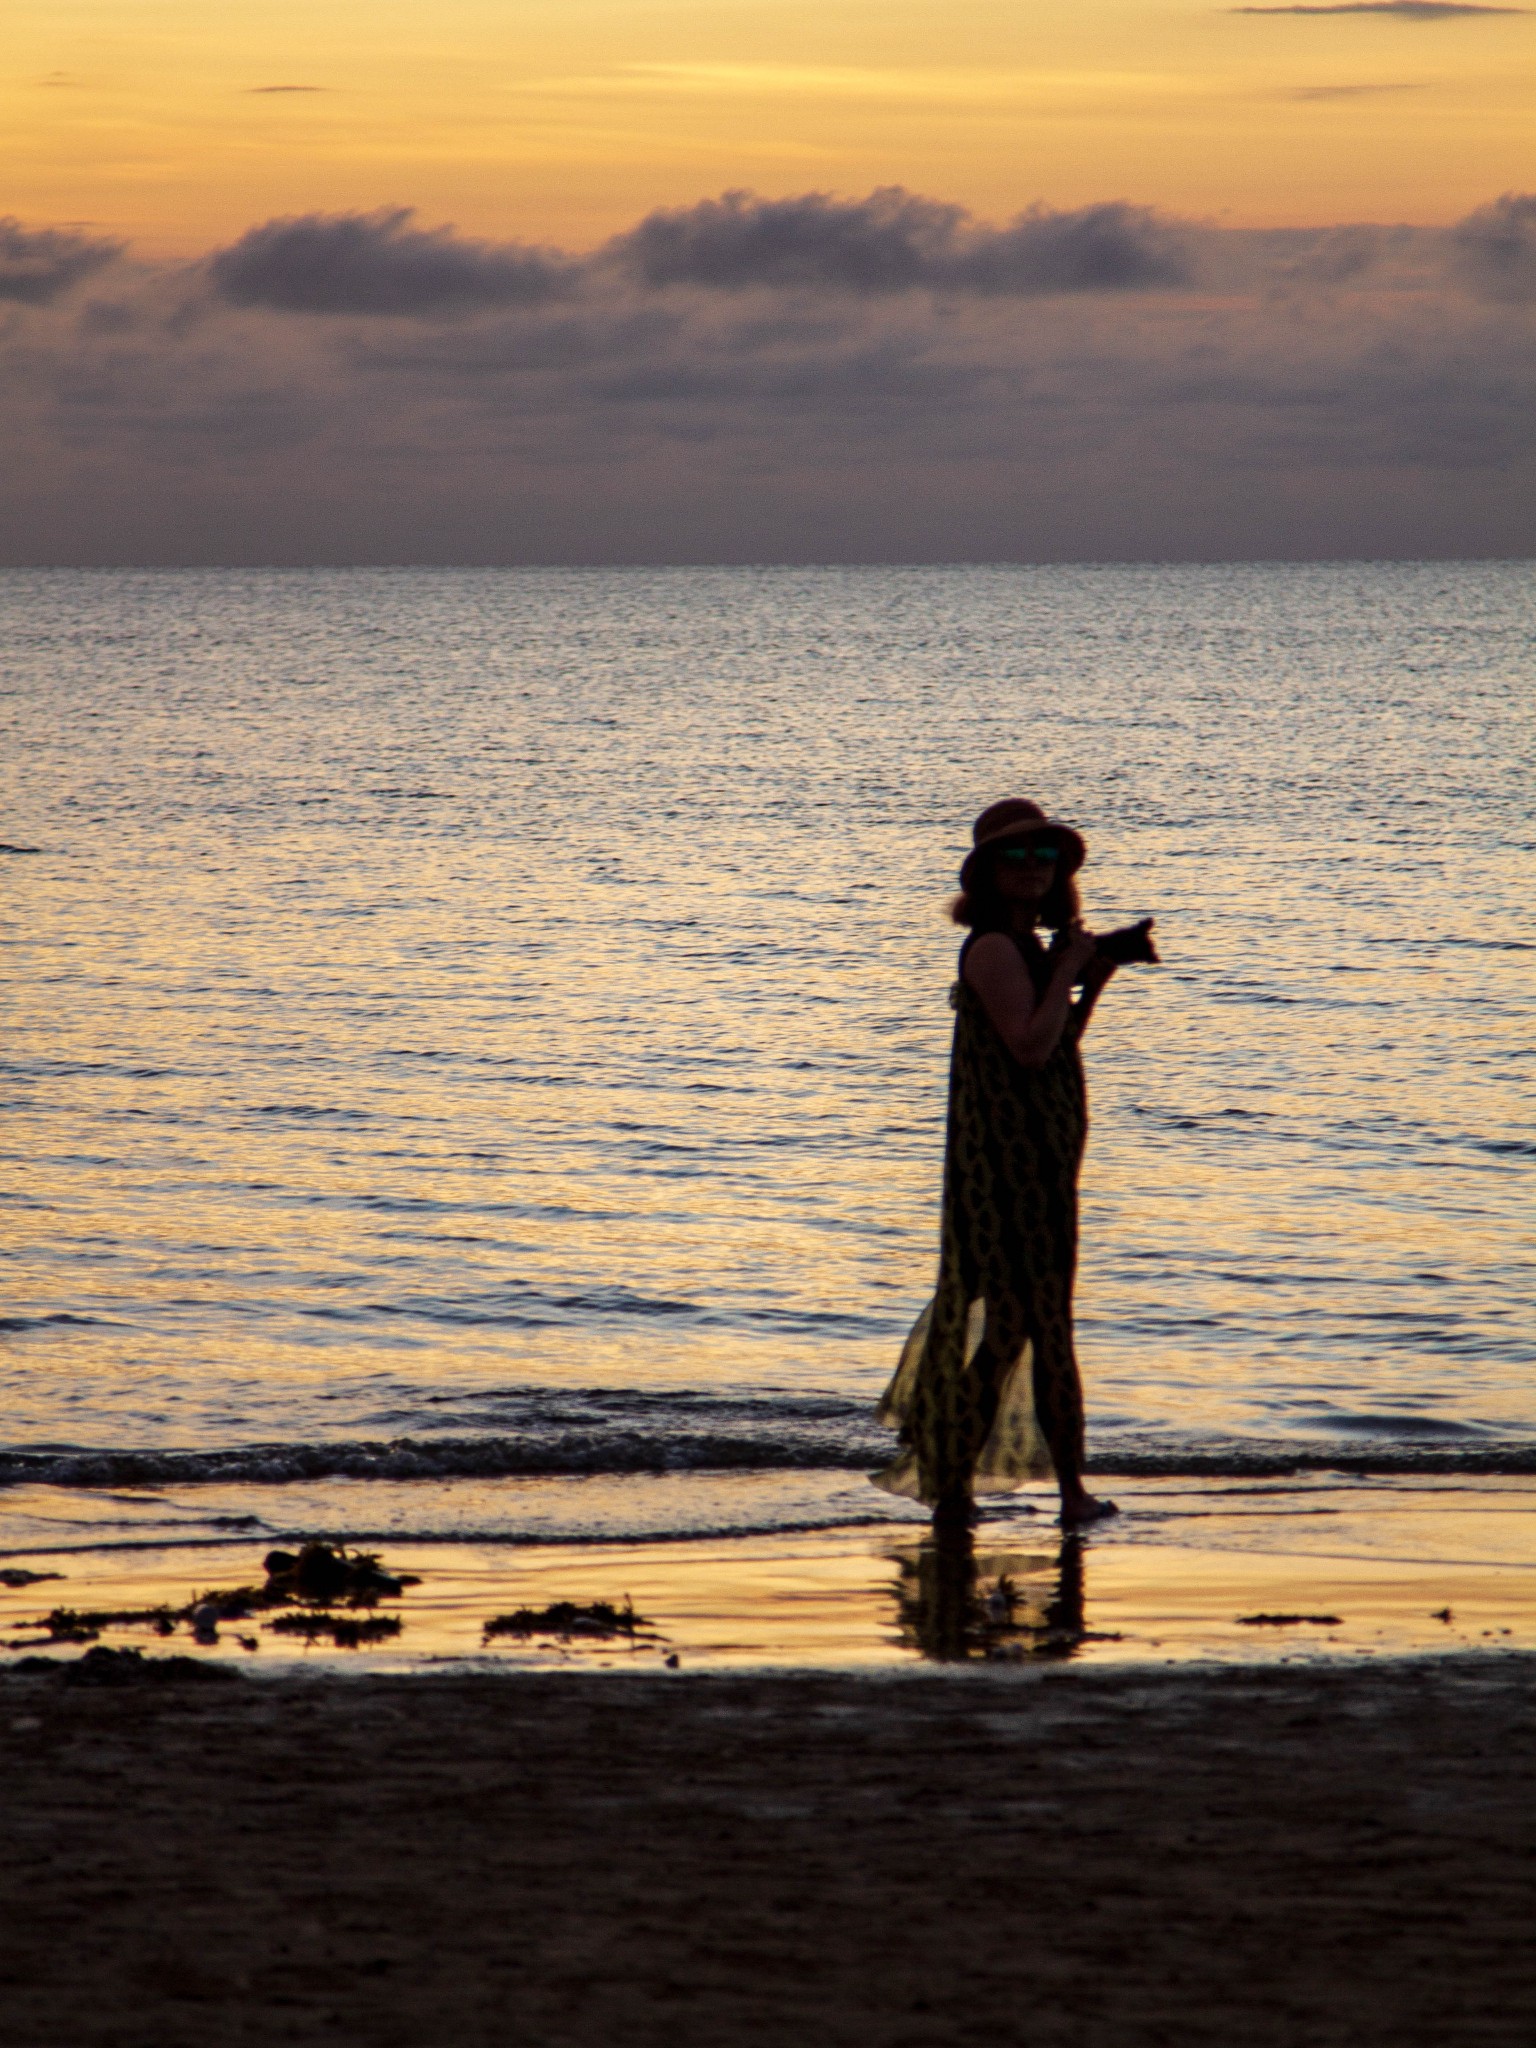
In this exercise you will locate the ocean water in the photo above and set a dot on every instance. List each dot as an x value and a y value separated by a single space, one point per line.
475 1045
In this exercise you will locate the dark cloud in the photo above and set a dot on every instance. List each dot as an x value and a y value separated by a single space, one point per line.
37 265
890 391
895 241
1098 248
286 88
378 263
887 243
1497 247
1409 10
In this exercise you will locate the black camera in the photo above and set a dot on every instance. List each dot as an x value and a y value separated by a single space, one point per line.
1130 946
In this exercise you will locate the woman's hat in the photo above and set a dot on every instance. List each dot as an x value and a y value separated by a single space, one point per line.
1007 824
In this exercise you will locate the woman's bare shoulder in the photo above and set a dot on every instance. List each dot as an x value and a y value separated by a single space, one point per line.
987 957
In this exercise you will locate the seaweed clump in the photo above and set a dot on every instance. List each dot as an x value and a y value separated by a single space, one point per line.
330 1575
346 1631
323 1576
598 1620
1289 1620
84 1625
316 1578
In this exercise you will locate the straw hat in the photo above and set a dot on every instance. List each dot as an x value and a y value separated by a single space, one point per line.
1013 820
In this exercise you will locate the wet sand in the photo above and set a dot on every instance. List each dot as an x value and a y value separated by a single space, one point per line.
1397 1568
1336 1853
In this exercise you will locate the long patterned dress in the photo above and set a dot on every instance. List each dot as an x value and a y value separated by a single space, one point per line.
979 1416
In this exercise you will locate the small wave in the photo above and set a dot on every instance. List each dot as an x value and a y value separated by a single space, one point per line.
302 1109
61 1319
529 1308
888 1515
1403 1426
589 1453
579 1454
1280 1461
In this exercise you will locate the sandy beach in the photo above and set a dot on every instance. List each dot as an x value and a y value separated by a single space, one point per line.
1341 1854
1249 1763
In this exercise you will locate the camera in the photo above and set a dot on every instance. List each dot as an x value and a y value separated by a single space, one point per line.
1130 946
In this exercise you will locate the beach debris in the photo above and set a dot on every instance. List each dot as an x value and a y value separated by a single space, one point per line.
204 1619
1001 1635
997 1608
317 1576
330 1575
101 1666
73 1625
13 1575
598 1619
1289 1620
346 1631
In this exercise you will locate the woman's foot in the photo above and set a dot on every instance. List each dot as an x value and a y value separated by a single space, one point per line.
1079 1509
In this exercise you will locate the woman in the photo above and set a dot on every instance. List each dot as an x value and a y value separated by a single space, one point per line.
987 1393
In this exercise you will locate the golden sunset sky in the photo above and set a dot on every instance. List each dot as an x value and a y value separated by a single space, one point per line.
179 122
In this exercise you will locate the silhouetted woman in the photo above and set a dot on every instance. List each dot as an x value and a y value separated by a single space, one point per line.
987 1393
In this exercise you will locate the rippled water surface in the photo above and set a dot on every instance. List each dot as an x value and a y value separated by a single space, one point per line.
480 1024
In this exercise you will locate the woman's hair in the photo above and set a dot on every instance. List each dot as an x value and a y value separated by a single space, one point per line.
982 906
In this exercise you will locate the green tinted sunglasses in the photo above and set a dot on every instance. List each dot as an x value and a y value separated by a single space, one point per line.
1021 856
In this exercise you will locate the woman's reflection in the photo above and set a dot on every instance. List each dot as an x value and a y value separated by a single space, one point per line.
953 1604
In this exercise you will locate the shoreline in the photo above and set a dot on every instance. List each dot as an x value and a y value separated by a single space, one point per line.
1185 1575
1333 1854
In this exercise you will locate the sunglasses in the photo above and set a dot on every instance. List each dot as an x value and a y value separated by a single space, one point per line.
1022 856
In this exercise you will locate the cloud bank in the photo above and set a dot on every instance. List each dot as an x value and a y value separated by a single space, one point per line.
1497 247
807 379
377 263
896 242
37 267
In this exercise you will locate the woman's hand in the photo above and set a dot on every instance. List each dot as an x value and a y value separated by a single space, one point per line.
1028 1025
1074 948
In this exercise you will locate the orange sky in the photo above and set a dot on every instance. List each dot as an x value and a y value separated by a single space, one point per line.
565 119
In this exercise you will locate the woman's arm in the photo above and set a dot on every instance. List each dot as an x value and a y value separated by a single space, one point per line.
1030 1028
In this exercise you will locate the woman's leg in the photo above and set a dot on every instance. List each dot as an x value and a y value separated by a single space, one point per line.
985 1373
1058 1392
1058 1386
